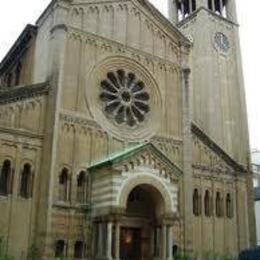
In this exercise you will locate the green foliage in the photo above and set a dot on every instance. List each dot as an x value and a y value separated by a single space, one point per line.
33 253
3 254
206 256
214 256
183 256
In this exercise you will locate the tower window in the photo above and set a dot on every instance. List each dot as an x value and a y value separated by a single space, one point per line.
210 6
79 249
6 178
26 182
60 248
64 185
185 8
218 6
82 187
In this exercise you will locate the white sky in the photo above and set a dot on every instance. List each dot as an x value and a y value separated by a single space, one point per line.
15 14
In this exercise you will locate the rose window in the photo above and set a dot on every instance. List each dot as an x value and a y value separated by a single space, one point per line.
124 98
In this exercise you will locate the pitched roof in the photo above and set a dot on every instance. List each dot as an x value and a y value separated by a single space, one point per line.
123 155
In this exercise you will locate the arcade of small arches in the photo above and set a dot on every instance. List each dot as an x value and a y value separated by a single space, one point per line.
26 180
186 7
223 208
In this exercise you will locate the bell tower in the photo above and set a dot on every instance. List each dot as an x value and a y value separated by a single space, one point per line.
219 106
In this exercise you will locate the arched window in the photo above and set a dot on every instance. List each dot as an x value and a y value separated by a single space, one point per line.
229 206
64 185
60 248
82 187
193 5
218 6
18 73
219 205
6 178
207 204
79 249
196 203
210 6
26 186
185 8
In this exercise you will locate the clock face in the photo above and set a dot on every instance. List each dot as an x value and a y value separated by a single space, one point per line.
221 41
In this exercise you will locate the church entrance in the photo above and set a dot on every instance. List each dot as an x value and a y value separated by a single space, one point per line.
142 232
130 244
145 207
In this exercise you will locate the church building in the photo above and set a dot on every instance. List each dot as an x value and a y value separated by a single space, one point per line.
123 133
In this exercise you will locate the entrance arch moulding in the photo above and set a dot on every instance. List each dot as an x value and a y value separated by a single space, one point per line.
146 179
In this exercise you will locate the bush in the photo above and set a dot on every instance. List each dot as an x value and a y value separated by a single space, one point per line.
3 254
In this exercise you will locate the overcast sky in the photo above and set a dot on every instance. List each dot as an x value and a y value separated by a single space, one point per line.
15 14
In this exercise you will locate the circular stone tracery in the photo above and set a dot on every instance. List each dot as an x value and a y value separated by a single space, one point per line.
124 98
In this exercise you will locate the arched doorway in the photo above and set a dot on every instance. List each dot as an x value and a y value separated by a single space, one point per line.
141 232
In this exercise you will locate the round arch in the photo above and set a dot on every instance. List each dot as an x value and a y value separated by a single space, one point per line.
143 179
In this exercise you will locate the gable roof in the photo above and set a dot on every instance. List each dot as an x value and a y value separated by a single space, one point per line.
217 149
132 151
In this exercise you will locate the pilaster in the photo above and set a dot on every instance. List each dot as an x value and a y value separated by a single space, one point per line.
187 159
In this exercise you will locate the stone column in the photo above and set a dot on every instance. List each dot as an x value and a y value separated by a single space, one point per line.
164 242
117 241
173 11
109 240
170 243
221 6
190 6
182 10
213 5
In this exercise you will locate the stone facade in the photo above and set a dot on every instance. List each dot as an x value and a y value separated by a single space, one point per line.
102 155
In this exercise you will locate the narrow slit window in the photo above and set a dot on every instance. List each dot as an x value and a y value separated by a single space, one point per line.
6 178
26 182
64 185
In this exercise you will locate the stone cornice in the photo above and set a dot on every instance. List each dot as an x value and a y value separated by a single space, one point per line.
80 119
23 92
217 149
20 132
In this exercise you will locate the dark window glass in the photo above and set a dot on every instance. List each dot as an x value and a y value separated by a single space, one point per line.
79 249
6 178
60 248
